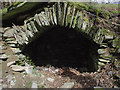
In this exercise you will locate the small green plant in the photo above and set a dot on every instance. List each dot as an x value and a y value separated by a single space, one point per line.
28 84
22 61
25 73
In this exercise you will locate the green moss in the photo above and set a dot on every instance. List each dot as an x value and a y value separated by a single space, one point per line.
93 9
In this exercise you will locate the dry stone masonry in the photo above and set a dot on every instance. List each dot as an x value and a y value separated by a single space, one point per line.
66 15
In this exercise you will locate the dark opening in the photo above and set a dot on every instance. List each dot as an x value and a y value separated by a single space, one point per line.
63 47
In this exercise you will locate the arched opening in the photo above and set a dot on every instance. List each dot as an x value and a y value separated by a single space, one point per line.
61 46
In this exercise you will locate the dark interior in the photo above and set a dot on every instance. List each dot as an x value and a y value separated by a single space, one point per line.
63 47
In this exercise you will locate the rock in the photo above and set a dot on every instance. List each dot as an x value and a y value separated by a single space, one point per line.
29 69
16 50
54 15
18 68
10 63
101 51
11 42
108 36
101 64
67 16
50 79
37 19
3 57
34 85
12 83
21 56
10 39
84 25
72 17
55 71
9 33
68 85
102 45
12 45
103 60
33 27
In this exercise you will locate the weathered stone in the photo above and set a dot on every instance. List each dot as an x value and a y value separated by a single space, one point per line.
37 19
101 39
29 69
47 13
21 56
84 25
64 13
18 68
101 64
79 24
67 85
108 36
11 42
75 20
54 14
101 51
103 60
44 19
19 39
34 85
9 33
73 13
3 57
50 80
12 45
10 39
29 33
59 12
10 63
33 26
51 16
67 16
29 27
24 36
16 50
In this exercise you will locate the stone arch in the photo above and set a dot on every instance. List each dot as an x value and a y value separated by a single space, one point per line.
63 15
60 14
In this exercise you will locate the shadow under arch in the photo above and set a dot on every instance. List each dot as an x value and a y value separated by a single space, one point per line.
63 47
